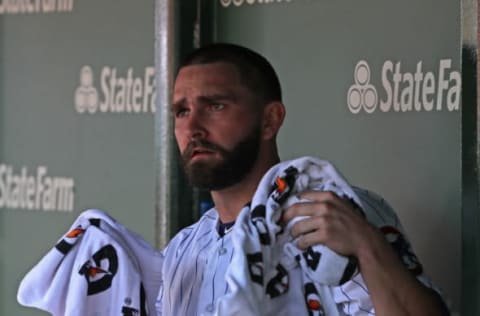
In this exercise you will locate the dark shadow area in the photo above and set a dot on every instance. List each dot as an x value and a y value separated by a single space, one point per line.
470 184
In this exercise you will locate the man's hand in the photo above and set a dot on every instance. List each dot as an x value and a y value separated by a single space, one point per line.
332 221
336 223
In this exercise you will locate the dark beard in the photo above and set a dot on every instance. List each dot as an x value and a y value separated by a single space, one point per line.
217 175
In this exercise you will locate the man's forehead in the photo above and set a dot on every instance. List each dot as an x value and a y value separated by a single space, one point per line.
210 78
218 71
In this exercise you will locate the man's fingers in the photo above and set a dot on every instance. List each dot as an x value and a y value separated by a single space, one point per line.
310 208
308 240
305 209
319 196
306 226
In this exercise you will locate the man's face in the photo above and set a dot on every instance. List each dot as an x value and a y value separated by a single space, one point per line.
217 125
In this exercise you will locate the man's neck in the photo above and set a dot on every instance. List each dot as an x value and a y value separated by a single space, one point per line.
230 201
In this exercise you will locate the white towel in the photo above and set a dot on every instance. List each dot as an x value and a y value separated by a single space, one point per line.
98 268
264 251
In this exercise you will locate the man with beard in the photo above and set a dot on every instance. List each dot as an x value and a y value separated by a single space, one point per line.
227 107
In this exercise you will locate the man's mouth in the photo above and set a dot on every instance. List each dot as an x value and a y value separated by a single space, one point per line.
199 153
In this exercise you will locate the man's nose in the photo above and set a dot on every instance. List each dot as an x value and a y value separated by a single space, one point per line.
196 126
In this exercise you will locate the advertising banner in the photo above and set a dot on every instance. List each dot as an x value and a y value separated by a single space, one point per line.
77 103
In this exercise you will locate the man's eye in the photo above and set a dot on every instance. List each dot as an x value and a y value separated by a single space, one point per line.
181 112
217 106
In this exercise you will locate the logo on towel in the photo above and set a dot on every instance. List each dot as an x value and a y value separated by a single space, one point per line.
312 299
279 284
259 221
255 267
403 249
128 311
63 245
100 270
74 233
312 258
404 90
284 185
118 93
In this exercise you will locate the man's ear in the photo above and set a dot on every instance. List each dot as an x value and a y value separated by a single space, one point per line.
273 115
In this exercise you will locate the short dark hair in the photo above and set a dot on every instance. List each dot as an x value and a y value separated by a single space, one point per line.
256 72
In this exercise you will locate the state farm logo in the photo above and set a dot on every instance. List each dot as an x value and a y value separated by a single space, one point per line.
35 189
405 91
362 95
86 95
238 3
35 6
119 93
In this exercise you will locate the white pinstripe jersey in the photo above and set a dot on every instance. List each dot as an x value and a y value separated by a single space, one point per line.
197 258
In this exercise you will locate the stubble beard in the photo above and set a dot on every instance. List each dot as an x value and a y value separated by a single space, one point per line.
232 167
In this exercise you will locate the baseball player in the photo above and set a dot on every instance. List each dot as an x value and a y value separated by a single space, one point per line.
227 107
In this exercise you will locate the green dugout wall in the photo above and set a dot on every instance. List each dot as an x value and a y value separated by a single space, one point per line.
77 96
374 86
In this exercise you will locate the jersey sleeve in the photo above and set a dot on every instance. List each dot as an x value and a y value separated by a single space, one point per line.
353 297
381 214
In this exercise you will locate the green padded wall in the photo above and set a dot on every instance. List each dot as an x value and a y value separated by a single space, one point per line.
76 124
